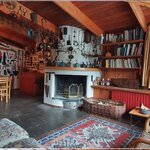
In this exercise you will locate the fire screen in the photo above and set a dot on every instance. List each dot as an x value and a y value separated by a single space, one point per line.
70 86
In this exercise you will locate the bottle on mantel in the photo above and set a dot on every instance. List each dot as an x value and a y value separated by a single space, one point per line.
103 81
108 82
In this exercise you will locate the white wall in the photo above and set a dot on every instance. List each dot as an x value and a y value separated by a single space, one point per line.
79 35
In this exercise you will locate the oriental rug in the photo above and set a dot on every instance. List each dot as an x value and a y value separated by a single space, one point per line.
92 132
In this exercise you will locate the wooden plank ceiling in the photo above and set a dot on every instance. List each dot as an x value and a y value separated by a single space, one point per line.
146 11
50 11
109 15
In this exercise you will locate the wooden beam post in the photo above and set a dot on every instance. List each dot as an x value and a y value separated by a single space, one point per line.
78 15
47 24
139 14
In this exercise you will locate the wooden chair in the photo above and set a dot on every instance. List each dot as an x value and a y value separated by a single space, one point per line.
141 143
5 88
9 87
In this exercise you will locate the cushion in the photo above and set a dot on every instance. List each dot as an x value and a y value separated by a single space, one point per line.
24 143
10 132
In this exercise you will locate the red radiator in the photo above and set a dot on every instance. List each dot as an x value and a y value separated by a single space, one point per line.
131 99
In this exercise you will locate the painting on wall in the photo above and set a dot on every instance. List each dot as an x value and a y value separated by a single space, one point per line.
11 60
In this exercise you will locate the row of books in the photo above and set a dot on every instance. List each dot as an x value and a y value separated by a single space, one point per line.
123 63
127 35
128 49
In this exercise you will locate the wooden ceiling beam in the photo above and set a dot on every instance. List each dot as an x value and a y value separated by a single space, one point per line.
19 38
78 15
46 24
145 4
139 14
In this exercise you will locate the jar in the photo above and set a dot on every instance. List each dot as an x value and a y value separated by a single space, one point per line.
108 82
103 81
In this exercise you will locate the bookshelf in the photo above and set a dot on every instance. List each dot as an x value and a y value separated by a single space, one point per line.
122 58
123 42
127 54
122 54
104 68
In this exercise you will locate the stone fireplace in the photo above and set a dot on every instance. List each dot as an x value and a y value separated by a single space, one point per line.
70 83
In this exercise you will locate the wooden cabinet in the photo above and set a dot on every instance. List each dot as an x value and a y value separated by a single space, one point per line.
28 82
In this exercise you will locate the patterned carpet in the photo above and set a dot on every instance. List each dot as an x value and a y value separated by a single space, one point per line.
92 132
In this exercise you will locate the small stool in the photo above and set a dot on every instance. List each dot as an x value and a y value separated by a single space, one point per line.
136 112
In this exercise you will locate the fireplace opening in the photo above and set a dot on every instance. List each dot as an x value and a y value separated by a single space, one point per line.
70 86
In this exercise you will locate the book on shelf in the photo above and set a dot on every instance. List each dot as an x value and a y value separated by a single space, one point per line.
107 63
133 49
126 63
136 33
140 49
132 63
138 62
125 49
129 63
128 49
123 63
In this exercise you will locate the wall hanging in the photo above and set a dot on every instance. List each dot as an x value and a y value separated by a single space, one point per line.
77 48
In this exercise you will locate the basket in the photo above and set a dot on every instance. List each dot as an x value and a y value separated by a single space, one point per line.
109 108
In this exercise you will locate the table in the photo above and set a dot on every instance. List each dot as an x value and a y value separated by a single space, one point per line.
136 112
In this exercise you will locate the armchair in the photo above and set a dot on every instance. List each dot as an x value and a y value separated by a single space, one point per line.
142 142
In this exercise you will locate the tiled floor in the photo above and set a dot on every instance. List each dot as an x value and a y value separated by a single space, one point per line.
38 118
35 117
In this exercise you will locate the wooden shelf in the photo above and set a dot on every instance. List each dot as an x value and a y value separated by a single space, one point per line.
121 43
103 68
89 55
71 68
121 57
110 88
